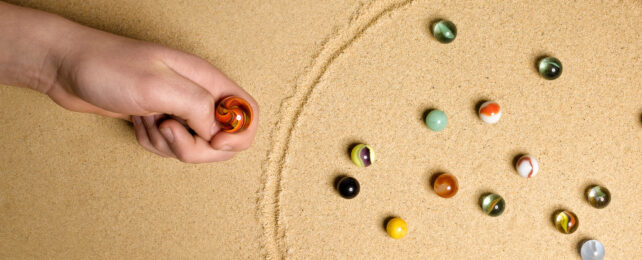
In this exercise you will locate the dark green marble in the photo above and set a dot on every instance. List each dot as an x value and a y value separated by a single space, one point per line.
444 31
549 68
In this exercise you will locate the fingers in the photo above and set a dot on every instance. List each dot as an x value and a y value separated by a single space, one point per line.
142 137
155 137
172 139
219 86
190 148
179 96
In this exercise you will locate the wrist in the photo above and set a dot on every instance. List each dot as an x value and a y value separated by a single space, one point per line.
32 47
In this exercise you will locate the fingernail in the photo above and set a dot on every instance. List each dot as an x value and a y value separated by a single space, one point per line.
226 148
167 133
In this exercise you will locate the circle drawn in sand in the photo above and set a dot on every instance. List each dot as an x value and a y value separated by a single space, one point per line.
373 81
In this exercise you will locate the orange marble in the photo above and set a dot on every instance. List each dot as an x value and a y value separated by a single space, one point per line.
234 114
446 185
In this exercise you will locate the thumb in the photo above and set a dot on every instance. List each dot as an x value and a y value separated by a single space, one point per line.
185 99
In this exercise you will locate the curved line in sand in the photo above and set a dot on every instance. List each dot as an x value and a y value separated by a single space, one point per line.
269 211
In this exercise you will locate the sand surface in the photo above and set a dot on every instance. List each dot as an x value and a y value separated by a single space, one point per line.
329 74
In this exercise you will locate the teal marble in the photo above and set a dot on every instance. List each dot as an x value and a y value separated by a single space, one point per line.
444 31
436 120
549 68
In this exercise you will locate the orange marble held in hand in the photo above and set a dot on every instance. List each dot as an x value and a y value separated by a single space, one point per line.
234 114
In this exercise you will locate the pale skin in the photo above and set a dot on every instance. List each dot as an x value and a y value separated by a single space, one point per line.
164 92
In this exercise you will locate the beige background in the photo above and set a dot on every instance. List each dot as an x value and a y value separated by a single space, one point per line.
328 74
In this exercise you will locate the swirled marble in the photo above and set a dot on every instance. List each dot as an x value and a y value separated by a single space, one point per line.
598 196
549 68
566 221
492 204
444 31
527 166
234 114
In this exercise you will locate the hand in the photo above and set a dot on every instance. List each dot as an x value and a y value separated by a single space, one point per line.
118 77
163 91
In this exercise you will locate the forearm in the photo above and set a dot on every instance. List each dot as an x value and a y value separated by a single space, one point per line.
32 46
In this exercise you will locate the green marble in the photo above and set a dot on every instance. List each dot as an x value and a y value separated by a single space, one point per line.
598 196
549 68
493 204
444 31
436 120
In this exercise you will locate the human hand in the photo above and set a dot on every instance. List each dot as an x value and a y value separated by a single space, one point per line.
163 91
118 77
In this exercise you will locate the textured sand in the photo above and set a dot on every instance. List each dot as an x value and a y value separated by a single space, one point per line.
327 75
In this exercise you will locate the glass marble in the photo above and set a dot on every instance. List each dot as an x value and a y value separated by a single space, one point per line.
549 68
490 112
493 204
446 185
396 228
592 250
234 114
566 221
527 166
362 155
436 120
598 196
444 31
348 187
